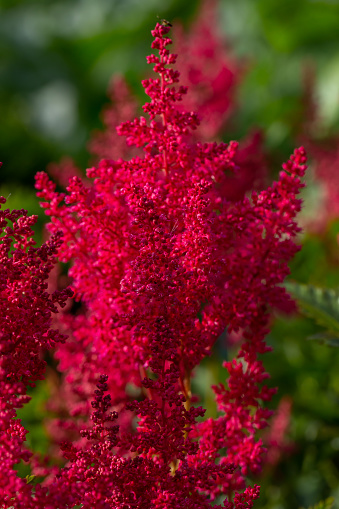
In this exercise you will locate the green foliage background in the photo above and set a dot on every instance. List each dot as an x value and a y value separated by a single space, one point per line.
56 60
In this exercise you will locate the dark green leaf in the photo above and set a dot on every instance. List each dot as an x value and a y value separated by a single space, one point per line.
321 304
326 338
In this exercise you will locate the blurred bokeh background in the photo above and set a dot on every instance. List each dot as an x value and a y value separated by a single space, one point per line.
57 58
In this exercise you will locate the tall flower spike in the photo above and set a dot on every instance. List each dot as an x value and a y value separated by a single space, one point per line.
210 71
26 309
174 264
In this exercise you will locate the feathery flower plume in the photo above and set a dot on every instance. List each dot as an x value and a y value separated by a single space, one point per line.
162 263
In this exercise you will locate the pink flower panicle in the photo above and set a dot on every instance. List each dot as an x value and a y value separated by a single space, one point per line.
325 158
276 439
212 74
164 233
162 263
210 71
26 310
123 106
63 171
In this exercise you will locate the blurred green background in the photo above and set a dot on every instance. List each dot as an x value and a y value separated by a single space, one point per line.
56 61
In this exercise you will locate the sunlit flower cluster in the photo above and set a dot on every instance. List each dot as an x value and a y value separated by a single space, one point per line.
163 258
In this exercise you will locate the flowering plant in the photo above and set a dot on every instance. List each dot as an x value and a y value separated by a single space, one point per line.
162 262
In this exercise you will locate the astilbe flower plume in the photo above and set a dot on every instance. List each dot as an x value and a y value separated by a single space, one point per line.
153 243
25 330
276 438
213 75
207 66
122 107
325 162
162 263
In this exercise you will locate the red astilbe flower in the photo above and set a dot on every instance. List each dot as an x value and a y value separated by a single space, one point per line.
278 443
109 144
154 244
63 171
325 159
207 66
26 309
263 229
213 75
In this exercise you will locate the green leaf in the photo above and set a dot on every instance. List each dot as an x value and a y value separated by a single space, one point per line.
321 304
326 338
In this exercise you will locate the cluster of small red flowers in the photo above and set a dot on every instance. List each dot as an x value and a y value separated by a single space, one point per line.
276 438
325 158
123 106
162 262
207 67
25 329
212 75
